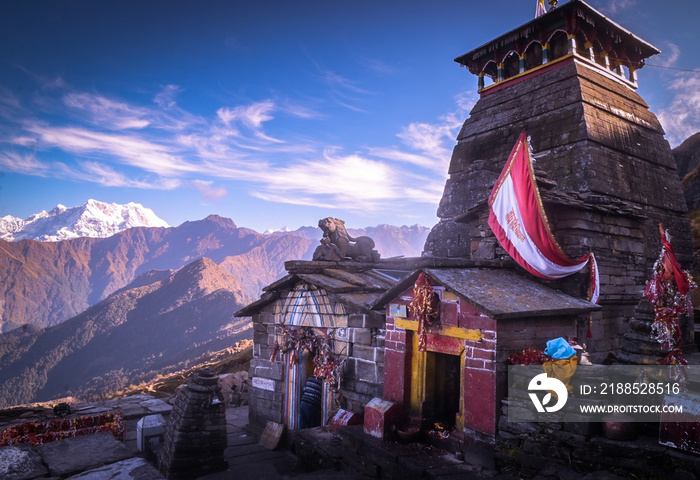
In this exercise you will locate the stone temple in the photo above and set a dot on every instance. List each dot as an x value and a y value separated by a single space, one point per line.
607 179
606 174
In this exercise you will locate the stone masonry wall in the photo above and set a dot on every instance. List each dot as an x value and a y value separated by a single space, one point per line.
524 448
364 368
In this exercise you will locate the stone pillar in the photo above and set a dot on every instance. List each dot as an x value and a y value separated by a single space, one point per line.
501 72
481 82
633 75
522 64
618 68
195 435
571 43
637 345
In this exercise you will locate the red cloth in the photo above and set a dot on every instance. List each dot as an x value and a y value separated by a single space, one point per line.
672 266
520 224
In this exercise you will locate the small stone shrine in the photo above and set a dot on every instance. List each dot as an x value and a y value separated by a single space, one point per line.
318 320
195 435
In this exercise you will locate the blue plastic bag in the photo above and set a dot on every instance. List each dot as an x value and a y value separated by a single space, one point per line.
559 349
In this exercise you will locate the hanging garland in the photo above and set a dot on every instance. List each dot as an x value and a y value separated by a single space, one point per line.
325 366
528 356
668 291
296 340
425 307
676 362
41 432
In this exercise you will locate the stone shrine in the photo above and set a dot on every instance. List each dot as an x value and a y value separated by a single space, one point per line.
195 435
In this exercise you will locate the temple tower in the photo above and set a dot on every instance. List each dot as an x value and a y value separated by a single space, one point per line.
606 174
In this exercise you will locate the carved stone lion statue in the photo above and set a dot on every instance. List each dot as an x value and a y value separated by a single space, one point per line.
337 244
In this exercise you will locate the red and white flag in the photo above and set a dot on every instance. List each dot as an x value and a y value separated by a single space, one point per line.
518 219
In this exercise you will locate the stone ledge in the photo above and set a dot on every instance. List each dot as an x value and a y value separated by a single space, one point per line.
74 455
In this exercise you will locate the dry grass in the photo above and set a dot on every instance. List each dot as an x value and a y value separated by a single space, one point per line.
229 360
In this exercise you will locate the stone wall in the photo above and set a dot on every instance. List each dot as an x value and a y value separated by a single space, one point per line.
363 343
523 449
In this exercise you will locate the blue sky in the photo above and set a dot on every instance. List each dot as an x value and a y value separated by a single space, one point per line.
271 113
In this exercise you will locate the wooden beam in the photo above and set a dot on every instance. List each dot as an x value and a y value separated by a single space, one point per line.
455 332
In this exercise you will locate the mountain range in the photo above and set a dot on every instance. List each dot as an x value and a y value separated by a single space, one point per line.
159 323
93 219
90 303
45 283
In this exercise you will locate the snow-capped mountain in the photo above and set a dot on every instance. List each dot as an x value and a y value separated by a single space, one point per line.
93 219
270 231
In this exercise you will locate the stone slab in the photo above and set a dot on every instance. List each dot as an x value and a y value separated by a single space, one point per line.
157 405
20 462
92 410
77 454
272 435
130 469
240 438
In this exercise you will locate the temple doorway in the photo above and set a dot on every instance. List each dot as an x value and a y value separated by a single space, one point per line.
442 389
298 373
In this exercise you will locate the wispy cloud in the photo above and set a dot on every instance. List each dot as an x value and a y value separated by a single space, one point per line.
26 164
251 116
107 113
681 118
208 190
87 171
166 97
90 137
126 149
430 144
350 182
669 56
108 177
615 6
7 98
378 66
341 90
300 111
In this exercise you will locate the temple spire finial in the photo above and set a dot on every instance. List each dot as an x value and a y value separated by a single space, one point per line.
541 9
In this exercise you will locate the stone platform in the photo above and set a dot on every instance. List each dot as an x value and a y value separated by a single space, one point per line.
102 457
317 454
